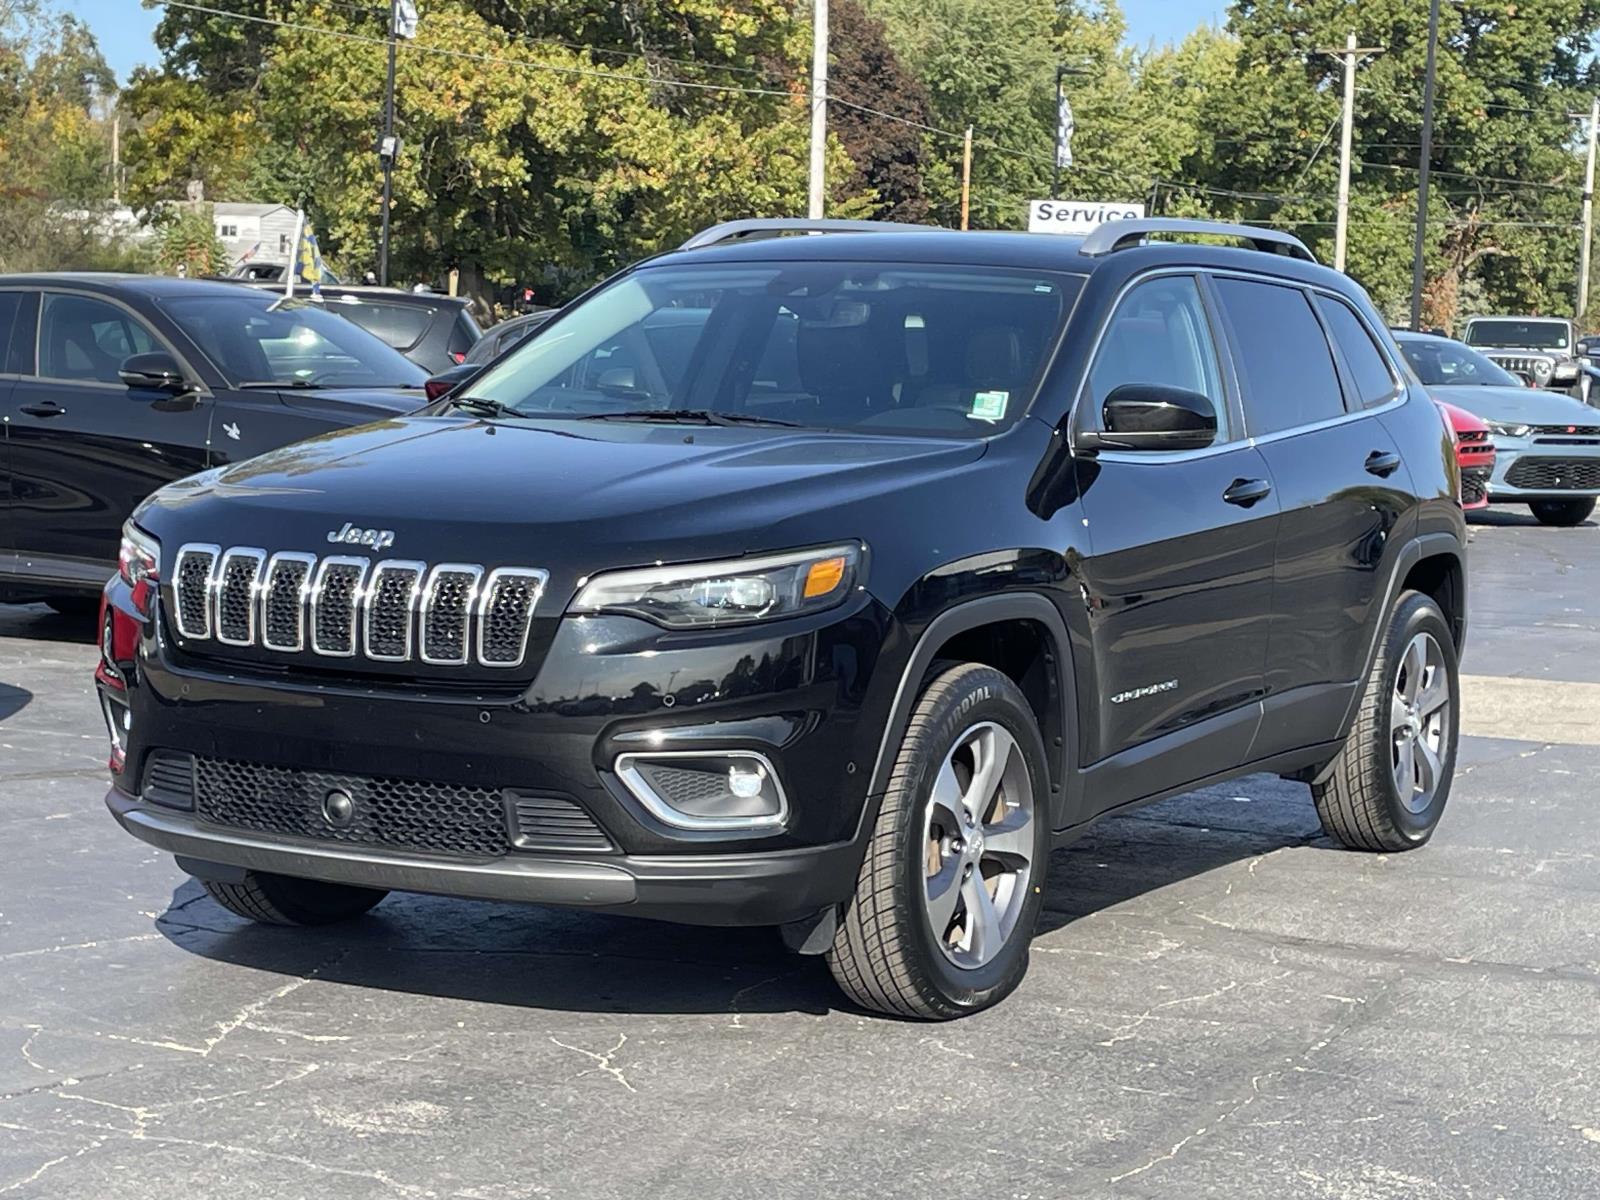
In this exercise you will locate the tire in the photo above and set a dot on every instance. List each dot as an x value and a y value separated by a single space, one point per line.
74 606
1564 513
886 954
1359 798
285 900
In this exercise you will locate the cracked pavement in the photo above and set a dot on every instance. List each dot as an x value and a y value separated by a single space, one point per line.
1220 1003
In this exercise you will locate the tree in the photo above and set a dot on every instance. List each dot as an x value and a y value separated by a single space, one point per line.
886 147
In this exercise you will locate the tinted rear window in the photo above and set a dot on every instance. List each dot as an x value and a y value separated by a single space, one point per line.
10 306
401 325
1373 382
1284 362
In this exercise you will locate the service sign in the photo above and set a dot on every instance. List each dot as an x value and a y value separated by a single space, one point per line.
1077 216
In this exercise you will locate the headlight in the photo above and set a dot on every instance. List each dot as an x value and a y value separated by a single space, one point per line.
140 558
1507 430
699 595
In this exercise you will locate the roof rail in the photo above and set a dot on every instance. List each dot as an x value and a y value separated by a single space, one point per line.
1117 235
753 228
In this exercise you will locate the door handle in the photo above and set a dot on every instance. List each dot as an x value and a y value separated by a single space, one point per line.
1245 492
1383 463
44 410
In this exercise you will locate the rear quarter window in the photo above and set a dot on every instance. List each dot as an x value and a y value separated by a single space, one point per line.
1369 371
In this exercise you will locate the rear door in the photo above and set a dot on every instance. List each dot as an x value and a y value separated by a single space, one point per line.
84 447
15 309
1179 620
1341 483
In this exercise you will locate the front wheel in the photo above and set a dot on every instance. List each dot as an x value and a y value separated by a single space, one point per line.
1387 788
1564 513
950 889
285 900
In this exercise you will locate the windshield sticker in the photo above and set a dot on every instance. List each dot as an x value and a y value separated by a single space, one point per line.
989 406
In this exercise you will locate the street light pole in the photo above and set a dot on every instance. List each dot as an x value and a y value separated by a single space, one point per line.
386 147
1422 179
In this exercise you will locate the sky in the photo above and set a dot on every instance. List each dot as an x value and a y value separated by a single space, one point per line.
123 27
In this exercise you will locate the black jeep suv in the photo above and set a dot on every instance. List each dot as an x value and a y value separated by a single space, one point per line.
824 582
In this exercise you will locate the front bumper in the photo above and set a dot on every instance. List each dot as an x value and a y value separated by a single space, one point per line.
1536 468
720 889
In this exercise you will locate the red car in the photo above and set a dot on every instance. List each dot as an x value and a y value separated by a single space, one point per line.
1474 452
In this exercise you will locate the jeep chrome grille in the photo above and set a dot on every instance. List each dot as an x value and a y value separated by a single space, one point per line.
339 607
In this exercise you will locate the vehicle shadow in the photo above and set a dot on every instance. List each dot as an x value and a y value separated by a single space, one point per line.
533 957
1513 516
13 700
35 622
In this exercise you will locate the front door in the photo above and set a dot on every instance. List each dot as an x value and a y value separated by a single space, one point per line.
1311 376
1178 625
84 447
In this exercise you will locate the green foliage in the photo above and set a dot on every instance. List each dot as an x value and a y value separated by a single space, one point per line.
187 237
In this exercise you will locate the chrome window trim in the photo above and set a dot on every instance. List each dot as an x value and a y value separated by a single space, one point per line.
1250 440
214 593
310 562
658 808
357 597
184 551
429 593
486 594
412 599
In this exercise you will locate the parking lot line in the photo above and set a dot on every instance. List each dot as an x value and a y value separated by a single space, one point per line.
1534 710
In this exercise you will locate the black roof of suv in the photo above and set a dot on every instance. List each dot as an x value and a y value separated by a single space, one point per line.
823 581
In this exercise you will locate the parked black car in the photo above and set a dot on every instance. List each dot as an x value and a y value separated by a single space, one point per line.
432 330
822 582
114 385
506 336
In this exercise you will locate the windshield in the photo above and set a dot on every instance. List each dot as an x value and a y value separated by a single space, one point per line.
256 338
944 350
1441 363
1534 335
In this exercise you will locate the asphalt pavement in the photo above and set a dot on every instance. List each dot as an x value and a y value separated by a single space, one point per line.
1221 1003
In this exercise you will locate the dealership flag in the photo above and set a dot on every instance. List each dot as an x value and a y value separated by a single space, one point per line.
308 261
405 19
1064 129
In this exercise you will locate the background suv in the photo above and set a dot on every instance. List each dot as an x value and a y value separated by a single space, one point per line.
1543 348
824 582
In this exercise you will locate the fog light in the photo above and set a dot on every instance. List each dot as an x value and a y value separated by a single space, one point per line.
730 790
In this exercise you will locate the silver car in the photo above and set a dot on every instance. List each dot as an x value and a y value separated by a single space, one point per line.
1547 445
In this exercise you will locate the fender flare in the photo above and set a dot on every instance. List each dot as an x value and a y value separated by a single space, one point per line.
971 614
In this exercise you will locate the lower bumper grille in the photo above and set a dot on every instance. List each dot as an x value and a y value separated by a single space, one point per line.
1475 485
1555 474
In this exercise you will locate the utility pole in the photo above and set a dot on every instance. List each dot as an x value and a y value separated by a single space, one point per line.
966 174
386 146
1422 174
819 108
1351 54
1588 213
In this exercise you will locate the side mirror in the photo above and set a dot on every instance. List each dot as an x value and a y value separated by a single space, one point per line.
1152 416
155 371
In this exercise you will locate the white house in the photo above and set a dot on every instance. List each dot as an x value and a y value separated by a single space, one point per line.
263 231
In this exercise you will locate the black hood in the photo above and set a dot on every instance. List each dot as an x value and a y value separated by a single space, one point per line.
573 497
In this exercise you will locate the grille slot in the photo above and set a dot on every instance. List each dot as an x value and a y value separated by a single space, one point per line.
335 604
1555 474
235 592
191 589
341 607
447 613
391 603
283 597
506 614
169 779
401 814
554 823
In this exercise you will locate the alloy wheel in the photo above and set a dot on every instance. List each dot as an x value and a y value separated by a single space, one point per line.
1419 719
979 839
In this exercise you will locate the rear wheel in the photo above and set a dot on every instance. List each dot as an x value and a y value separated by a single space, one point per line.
1387 788
950 889
285 900
1562 512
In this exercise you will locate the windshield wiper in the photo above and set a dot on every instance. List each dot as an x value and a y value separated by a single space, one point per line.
688 416
485 408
